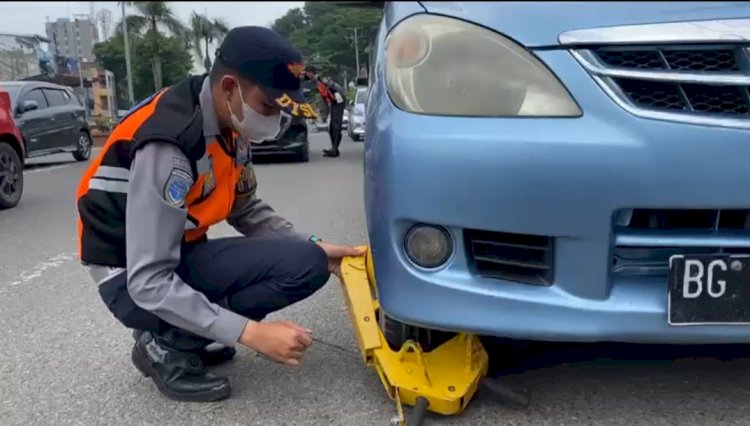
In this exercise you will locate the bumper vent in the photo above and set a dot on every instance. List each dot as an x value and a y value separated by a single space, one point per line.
521 258
645 239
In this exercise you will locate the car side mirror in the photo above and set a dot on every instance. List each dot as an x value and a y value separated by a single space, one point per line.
28 106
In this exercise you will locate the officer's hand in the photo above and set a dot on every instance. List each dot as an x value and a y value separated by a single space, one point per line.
282 341
336 254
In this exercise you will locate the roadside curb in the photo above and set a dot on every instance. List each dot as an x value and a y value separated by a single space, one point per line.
99 139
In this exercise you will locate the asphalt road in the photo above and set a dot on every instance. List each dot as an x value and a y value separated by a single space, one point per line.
64 360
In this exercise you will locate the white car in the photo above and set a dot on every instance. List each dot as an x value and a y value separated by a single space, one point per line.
322 126
356 128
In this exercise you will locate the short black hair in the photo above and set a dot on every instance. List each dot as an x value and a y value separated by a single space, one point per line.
312 69
218 70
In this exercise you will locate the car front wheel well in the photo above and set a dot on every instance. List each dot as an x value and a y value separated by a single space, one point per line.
15 144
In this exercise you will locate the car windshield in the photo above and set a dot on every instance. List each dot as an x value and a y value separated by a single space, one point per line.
361 96
12 90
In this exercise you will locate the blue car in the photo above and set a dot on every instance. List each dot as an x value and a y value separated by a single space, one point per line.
561 171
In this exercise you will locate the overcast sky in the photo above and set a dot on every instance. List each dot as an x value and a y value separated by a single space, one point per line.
29 18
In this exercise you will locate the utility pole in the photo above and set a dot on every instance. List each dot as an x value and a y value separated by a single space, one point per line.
80 71
356 51
129 71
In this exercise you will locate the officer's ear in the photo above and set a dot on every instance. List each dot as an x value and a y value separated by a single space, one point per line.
228 85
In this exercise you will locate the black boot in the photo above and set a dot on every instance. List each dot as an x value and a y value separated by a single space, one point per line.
211 355
331 152
177 373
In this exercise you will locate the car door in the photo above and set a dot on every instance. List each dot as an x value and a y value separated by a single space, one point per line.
35 124
77 111
64 133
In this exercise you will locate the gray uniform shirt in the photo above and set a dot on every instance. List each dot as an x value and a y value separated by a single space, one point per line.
155 225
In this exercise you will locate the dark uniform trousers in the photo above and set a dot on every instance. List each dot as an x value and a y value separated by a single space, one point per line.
336 123
250 276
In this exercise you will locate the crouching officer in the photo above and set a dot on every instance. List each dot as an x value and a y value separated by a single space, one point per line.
335 97
172 168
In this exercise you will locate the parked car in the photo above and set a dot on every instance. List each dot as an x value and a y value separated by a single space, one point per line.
356 129
50 119
321 125
292 140
572 172
12 154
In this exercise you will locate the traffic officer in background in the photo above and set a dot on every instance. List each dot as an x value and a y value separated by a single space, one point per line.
173 167
335 97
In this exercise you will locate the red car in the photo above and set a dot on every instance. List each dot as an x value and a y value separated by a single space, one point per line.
11 156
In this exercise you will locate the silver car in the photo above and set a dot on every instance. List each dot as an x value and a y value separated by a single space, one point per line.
356 128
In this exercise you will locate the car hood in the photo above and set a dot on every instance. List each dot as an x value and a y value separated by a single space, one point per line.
539 24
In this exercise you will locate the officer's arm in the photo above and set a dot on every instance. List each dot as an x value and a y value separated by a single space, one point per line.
251 216
337 89
155 222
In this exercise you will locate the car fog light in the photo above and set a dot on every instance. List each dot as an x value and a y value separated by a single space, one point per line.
428 246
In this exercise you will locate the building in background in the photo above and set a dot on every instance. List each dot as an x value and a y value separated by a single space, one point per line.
24 55
102 93
73 38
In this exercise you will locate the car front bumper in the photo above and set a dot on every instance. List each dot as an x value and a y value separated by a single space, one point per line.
278 148
562 178
357 128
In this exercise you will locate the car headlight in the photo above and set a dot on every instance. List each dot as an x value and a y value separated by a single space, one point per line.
444 66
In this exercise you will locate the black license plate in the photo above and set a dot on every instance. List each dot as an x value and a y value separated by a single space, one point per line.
710 289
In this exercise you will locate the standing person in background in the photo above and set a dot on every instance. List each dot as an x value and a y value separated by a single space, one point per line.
335 97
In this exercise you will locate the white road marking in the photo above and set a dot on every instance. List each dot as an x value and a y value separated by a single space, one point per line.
39 269
41 169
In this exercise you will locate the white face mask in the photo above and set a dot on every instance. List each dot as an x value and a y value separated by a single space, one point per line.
254 127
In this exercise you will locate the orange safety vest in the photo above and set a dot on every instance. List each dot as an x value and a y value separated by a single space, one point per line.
325 92
171 115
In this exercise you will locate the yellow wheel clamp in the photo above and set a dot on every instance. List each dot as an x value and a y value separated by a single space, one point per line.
443 380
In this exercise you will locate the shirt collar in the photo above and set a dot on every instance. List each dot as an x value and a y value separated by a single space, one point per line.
210 122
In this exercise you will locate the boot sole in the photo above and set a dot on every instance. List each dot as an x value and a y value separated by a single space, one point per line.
147 371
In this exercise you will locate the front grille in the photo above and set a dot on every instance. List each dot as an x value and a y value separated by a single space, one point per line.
707 59
521 258
645 239
704 84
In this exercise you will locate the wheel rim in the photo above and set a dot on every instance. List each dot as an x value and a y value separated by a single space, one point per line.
9 176
84 145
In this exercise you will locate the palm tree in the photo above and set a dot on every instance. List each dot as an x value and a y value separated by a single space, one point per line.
153 16
204 32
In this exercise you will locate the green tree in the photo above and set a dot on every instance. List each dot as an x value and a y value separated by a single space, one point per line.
153 18
324 32
204 31
111 55
292 21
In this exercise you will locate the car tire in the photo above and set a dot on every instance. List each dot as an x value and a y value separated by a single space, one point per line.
11 176
397 333
304 155
83 151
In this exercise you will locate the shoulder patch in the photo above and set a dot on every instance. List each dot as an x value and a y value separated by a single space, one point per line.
181 163
177 186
